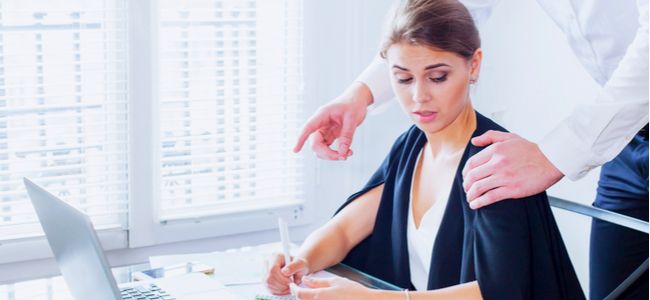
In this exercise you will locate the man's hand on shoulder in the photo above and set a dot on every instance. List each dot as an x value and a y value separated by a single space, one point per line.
510 167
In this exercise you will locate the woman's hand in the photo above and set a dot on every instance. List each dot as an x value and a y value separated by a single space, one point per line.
334 288
278 278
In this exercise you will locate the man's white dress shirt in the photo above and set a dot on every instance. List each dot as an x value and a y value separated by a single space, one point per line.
610 38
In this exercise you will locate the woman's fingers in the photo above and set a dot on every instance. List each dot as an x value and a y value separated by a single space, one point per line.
316 283
297 268
308 293
329 288
277 286
294 267
276 282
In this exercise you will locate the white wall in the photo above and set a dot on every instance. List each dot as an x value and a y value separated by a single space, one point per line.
530 80
341 37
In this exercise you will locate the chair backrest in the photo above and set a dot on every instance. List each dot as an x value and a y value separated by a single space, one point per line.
614 218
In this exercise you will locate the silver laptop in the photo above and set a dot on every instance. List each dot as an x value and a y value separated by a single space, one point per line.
84 267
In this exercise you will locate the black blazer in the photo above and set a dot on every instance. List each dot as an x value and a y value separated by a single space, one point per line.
513 248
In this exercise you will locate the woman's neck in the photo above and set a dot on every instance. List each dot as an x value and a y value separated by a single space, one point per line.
453 138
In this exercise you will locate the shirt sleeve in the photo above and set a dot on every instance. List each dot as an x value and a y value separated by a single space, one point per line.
596 132
376 77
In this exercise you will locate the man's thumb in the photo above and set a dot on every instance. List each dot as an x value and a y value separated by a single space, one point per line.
490 137
347 134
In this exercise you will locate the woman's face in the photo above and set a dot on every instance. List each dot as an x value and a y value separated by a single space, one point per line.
432 85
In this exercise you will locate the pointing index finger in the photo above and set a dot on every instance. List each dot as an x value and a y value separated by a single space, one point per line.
310 127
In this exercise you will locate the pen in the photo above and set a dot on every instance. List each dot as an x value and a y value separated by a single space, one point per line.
284 238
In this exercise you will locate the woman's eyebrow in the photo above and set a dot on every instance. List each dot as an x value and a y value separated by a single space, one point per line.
401 68
436 66
426 68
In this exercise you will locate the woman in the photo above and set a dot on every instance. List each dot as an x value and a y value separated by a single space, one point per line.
411 225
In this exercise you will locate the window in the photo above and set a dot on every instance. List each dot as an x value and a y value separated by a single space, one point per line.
63 110
162 131
225 145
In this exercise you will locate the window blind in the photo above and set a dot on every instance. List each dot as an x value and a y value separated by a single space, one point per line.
63 109
229 106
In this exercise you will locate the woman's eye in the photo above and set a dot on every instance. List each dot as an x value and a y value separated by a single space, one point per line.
439 79
404 80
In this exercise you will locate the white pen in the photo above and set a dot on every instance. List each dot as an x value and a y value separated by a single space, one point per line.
284 238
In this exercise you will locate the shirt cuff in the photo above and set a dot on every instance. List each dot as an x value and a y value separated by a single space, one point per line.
567 153
593 134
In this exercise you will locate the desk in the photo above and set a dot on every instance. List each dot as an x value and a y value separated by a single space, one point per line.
54 287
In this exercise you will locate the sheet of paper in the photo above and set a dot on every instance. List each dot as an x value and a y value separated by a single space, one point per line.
196 287
241 270
259 292
245 265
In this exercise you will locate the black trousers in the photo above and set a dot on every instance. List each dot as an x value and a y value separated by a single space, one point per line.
615 251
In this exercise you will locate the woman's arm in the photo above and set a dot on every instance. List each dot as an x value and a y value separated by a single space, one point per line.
329 244
341 289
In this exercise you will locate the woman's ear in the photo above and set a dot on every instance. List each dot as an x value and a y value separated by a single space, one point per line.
475 65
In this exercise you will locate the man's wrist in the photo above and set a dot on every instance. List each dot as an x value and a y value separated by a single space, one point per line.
360 92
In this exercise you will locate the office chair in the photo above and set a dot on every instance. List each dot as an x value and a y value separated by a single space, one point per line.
612 217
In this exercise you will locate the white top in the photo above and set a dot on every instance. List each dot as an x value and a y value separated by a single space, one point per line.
610 39
421 240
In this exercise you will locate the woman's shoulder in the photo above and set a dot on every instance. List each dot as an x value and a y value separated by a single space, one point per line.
406 141
484 124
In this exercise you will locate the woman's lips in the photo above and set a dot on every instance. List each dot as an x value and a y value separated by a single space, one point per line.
425 116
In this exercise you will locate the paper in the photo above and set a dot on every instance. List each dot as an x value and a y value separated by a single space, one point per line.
273 297
246 265
196 286
241 270
259 292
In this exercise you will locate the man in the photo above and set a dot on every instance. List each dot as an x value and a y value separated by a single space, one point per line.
610 39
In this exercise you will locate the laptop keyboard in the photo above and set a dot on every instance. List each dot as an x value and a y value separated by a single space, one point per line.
145 292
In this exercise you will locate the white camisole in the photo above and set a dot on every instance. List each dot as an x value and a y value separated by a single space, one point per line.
421 240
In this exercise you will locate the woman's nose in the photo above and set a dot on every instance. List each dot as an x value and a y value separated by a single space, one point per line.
421 93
